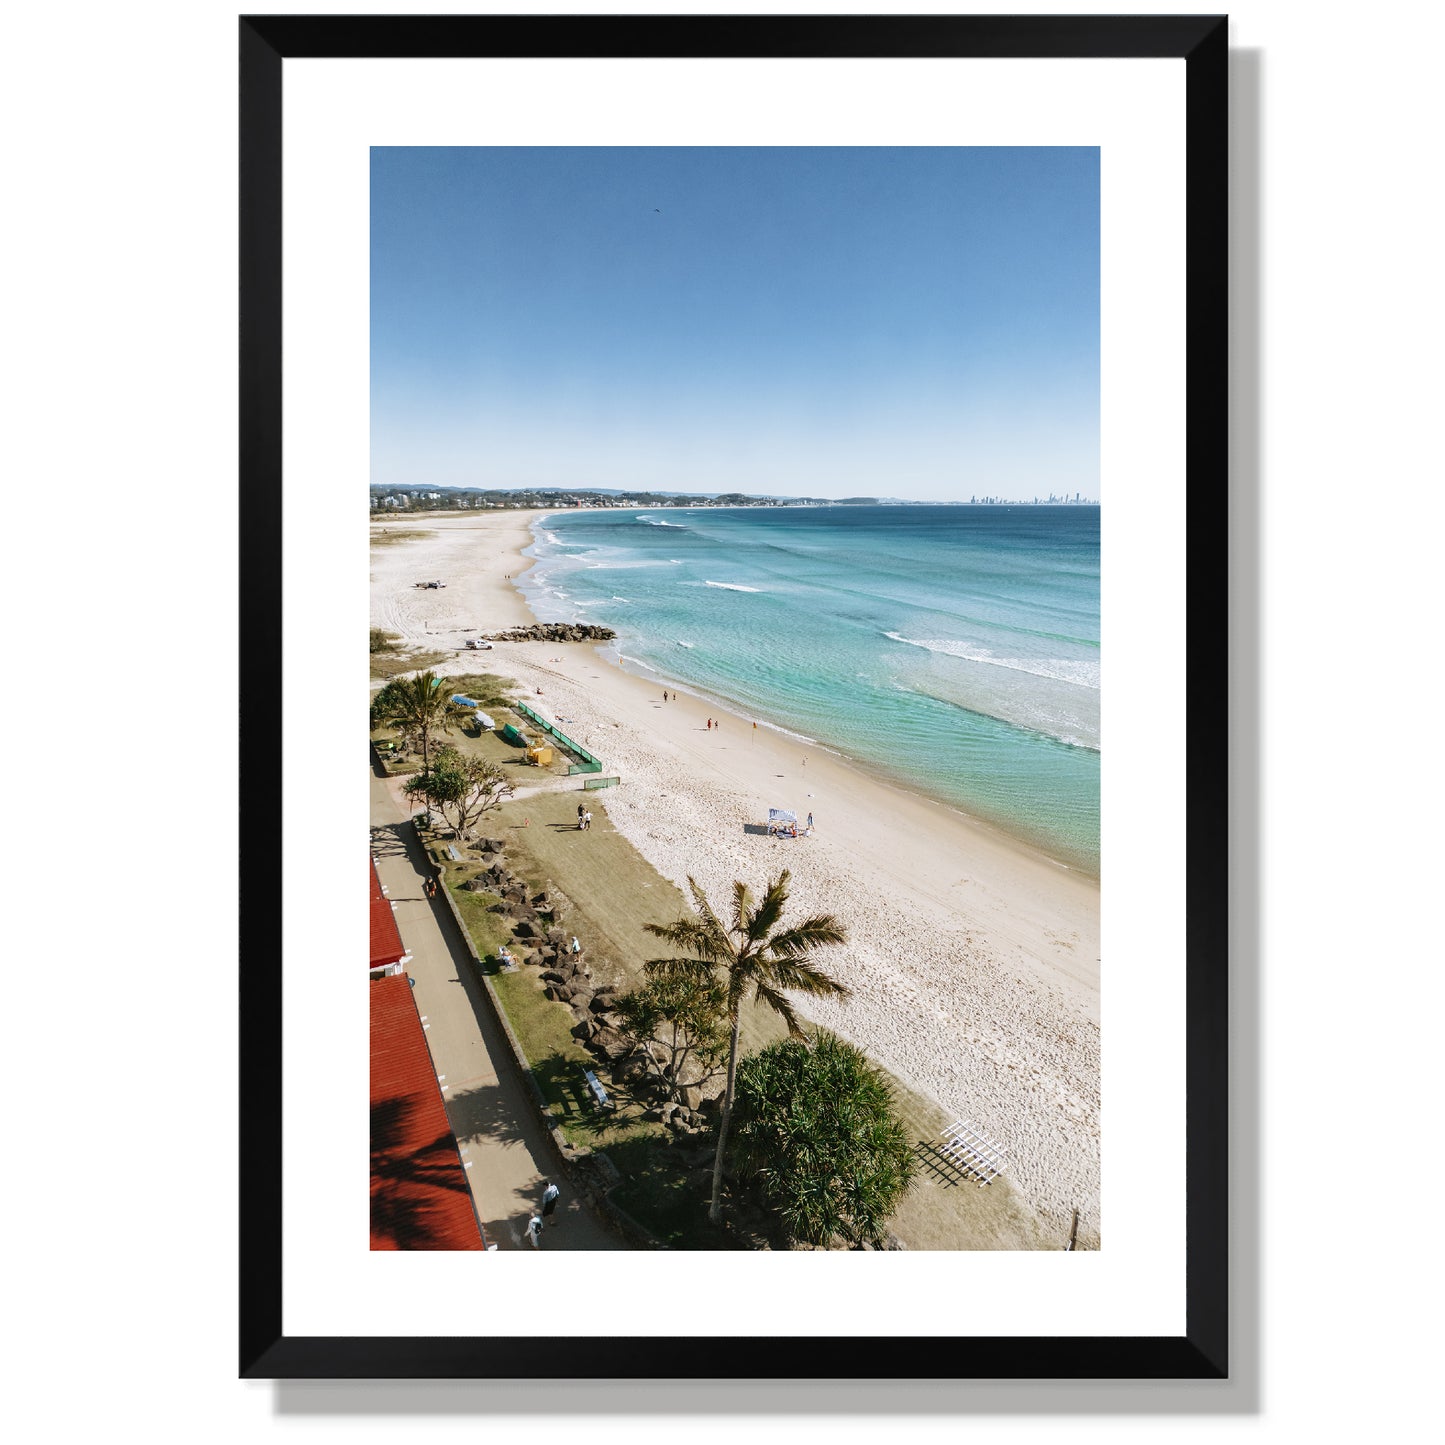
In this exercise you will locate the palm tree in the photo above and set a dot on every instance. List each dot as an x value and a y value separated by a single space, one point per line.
750 952
418 707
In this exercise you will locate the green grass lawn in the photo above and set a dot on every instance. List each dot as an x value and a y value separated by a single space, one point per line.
605 891
393 664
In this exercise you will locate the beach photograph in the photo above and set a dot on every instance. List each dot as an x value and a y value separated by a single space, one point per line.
735 683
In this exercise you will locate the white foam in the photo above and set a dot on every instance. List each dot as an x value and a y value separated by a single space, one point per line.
681 643
628 566
636 661
1079 672
732 586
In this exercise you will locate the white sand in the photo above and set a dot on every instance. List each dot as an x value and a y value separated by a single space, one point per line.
973 960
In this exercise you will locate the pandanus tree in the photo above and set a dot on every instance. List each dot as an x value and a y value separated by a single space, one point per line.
751 955
817 1134
417 707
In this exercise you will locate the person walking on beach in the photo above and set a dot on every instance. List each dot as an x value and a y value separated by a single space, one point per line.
810 820
550 1195
586 821
580 812
534 1230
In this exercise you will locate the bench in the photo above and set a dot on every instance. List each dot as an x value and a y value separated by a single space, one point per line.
598 1092
452 849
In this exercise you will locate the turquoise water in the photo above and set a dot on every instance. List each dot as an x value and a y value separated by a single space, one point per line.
953 649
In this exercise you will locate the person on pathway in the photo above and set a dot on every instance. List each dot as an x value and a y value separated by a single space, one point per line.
550 1195
430 887
581 813
587 820
534 1230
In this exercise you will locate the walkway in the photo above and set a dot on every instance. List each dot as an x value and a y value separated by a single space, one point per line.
493 1114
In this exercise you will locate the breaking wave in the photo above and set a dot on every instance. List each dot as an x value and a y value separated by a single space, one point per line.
1078 672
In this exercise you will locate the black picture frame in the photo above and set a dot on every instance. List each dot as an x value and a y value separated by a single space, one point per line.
266 42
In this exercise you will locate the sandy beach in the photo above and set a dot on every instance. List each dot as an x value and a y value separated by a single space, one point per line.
973 960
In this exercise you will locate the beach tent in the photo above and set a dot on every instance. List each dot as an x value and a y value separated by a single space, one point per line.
483 721
514 735
463 701
781 818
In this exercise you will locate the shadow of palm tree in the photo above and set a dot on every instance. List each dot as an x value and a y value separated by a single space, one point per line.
482 1113
405 1180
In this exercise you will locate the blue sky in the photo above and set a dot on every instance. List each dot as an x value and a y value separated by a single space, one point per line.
919 323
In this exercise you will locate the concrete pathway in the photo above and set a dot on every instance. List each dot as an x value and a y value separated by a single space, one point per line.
493 1114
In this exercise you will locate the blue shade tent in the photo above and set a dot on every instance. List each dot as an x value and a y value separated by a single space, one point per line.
781 820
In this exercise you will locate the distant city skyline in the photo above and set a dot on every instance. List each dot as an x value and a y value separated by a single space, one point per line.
919 323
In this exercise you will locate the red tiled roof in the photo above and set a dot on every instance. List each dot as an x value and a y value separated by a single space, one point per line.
386 944
419 1193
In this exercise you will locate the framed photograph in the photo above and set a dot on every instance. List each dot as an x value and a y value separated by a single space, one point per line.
794 562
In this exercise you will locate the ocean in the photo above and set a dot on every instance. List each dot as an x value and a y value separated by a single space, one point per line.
954 650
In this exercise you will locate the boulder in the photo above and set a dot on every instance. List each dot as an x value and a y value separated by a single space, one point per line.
692 1096
550 975
609 1043
539 900
523 928
601 1002
556 938
632 1066
585 1029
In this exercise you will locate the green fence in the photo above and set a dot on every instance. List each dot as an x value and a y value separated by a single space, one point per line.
592 783
585 763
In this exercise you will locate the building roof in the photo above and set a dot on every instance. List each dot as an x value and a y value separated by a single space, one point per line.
419 1193
386 944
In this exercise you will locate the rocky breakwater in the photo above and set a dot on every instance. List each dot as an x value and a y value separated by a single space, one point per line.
554 632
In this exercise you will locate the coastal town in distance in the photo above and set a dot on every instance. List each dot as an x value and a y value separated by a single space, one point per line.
461 499
735 700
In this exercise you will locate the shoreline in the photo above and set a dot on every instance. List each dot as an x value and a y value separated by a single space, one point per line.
636 668
973 956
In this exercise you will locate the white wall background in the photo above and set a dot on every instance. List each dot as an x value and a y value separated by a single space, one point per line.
119 448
